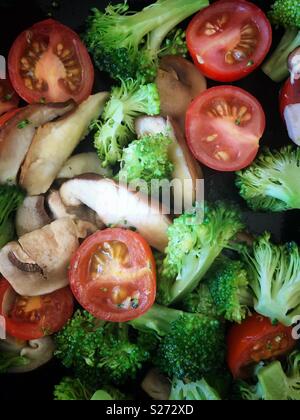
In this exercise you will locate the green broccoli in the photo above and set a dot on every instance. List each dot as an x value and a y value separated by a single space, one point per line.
147 159
274 384
284 13
272 182
9 360
194 246
100 351
192 345
11 197
200 301
127 44
196 391
116 129
274 277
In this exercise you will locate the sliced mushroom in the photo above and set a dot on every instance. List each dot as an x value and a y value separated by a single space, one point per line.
156 385
17 134
49 250
294 65
32 215
116 205
292 119
54 143
186 168
179 83
82 164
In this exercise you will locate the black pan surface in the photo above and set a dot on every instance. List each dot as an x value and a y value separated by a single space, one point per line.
17 15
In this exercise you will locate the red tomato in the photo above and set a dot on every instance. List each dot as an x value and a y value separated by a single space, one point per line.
113 275
289 95
229 39
223 128
48 62
30 318
255 340
8 97
6 117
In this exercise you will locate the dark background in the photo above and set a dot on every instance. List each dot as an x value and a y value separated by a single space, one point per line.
18 15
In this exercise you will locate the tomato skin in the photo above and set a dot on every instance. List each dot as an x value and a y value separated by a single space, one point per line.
56 33
199 125
53 320
289 95
214 66
248 342
5 104
90 294
6 117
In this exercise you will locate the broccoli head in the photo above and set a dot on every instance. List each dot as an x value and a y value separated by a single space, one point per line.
274 384
272 183
11 197
116 129
193 391
274 277
191 345
100 351
193 247
147 159
127 44
200 301
285 13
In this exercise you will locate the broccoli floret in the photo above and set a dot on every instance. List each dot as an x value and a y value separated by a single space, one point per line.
100 351
147 160
191 346
9 360
117 126
274 384
272 182
200 301
72 389
193 391
127 44
11 197
193 247
284 13
274 277
229 288
109 393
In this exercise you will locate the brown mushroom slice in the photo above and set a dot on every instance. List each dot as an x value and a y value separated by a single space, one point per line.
32 215
179 83
83 163
17 134
117 206
186 168
54 143
156 385
50 248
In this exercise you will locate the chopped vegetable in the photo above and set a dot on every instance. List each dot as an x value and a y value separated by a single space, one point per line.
126 44
70 389
272 182
284 13
197 391
9 360
117 127
194 246
11 198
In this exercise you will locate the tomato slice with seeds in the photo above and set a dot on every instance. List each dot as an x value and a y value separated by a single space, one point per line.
30 318
8 97
113 275
256 340
229 39
49 63
223 128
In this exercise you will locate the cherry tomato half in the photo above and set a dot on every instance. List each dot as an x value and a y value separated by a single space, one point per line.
48 62
229 39
8 97
223 128
30 318
113 275
255 340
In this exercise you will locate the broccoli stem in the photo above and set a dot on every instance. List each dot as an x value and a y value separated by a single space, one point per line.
276 67
158 318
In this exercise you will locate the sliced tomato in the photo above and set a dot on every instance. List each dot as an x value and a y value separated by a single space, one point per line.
30 318
223 128
256 340
8 97
289 95
113 275
49 63
6 117
229 39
